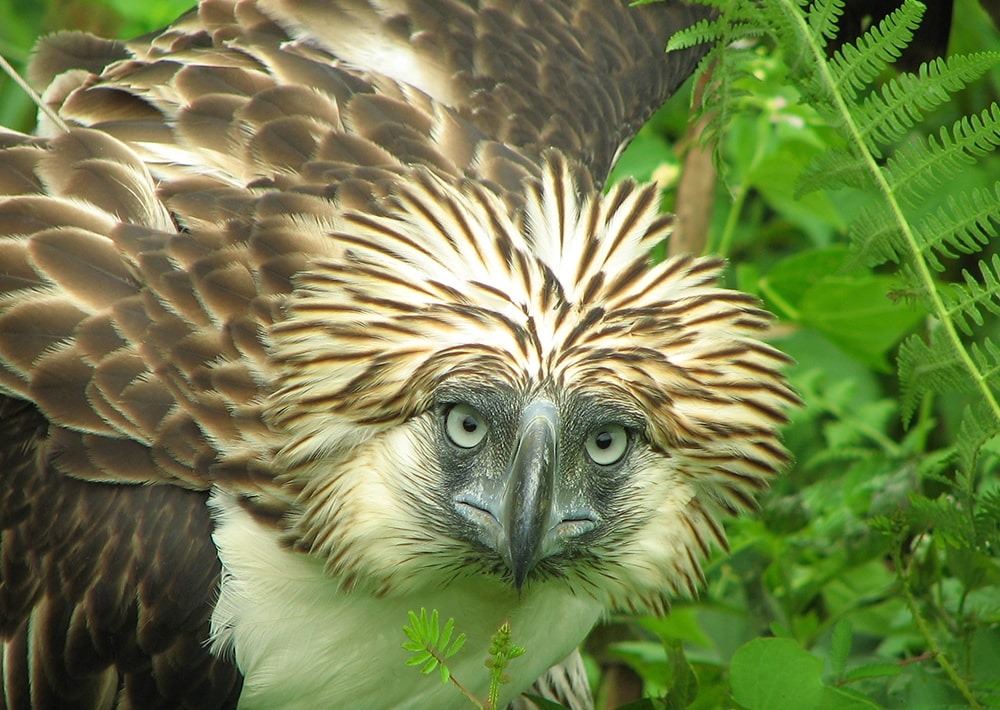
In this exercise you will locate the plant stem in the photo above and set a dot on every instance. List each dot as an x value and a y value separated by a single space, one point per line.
732 219
925 630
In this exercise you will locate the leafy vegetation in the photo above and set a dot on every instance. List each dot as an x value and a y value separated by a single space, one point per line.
862 206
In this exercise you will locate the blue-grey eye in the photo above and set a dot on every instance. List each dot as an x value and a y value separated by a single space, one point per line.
606 445
465 426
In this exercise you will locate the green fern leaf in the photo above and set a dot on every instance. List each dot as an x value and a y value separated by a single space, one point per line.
920 167
887 115
701 32
856 65
964 225
987 359
927 368
875 238
835 169
979 425
823 18
966 303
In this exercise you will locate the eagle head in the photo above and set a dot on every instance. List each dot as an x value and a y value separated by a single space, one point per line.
468 386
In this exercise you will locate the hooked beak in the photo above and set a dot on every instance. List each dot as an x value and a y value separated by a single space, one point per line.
526 510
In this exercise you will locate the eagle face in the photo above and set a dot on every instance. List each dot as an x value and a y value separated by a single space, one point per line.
313 314
469 389
534 479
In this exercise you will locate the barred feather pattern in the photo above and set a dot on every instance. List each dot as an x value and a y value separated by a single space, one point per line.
560 297
262 247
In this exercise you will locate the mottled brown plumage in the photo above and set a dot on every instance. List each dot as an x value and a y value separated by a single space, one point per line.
283 249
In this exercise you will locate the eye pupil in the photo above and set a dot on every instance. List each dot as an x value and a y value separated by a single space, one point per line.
464 426
607 445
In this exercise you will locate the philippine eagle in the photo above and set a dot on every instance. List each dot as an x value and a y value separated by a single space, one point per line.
312 313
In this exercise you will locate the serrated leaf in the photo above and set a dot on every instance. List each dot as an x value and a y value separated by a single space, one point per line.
856 65
979 425
927 368
873 670
885 116
921 166
823 18
702 32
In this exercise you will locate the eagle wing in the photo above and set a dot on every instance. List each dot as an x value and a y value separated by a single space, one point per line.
147 244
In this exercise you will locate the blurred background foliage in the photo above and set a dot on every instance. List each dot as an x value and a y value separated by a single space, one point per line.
814 605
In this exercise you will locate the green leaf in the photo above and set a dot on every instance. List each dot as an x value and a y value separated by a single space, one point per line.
873 670
455 647
840 646
855 65
434 629
772 673
857 314
419 658
430 666
684 683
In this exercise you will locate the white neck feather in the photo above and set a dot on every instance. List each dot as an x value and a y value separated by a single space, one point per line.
302 643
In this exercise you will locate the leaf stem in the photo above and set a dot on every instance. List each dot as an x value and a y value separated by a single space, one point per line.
925 629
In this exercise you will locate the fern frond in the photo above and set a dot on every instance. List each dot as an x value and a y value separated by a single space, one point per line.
964 303
979 424
987 357
927 368
708 31
920 167
964 225
875 237
887 115
856 65
897 189
835 169
823 18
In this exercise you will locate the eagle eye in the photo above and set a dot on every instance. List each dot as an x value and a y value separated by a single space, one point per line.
464 426
606 445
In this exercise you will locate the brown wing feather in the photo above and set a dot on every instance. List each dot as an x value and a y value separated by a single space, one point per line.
140 262
578 76
105 590
474 89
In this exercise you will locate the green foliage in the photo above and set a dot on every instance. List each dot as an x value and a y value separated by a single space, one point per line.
870 578
861 205
431 645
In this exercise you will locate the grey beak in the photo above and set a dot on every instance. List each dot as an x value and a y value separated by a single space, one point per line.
527 506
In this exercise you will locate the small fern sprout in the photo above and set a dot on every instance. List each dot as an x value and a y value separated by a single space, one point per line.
432 645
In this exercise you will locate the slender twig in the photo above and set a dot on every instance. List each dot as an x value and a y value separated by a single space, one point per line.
36 99
925 629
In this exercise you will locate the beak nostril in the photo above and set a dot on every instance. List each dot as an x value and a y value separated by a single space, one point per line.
477 513
574 527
